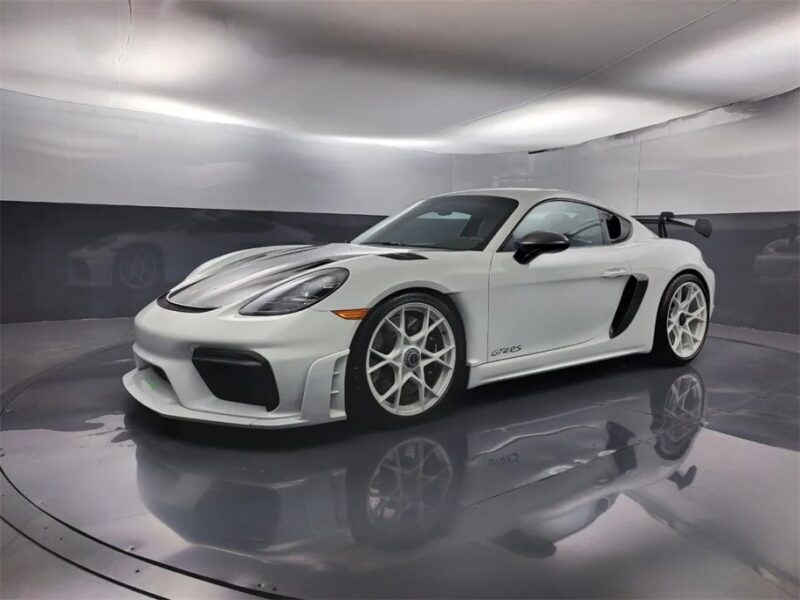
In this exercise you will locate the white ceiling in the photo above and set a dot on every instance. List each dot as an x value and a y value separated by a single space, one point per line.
446 76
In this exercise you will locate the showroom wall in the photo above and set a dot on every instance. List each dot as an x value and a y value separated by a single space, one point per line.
734 159
737 165
103 207
64 152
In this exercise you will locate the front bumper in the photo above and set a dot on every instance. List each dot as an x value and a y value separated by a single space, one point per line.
307 353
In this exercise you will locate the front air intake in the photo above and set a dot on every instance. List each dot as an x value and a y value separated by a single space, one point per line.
237 376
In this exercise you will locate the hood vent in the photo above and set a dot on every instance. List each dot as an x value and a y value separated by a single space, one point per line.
404 256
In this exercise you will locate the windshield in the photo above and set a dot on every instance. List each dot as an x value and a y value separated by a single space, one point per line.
445 223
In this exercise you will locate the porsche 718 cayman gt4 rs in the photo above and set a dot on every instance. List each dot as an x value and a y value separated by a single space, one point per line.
454 292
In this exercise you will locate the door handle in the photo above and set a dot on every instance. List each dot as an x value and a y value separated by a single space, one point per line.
618 272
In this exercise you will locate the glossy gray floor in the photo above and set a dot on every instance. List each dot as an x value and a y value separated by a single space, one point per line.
615 480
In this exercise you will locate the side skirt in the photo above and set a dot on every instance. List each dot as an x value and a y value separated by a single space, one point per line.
540 363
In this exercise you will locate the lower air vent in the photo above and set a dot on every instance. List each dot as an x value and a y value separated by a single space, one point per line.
237 376
160 372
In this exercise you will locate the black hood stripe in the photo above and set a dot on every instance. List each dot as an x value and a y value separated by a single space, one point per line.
259 256
250 276
239 262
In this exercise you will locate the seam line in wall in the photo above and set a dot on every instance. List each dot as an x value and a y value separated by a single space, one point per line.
588 76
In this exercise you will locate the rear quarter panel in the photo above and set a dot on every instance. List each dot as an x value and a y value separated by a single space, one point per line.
661 260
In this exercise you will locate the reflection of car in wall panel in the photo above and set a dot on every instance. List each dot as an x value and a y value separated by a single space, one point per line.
776 275
138 261
456 291
522 478
779 261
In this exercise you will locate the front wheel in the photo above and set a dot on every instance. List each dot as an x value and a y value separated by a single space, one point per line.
682 321
407 360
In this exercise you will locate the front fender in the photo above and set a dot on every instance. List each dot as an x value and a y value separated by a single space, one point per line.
462 276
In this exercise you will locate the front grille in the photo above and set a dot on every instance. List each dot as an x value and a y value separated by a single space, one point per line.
237 376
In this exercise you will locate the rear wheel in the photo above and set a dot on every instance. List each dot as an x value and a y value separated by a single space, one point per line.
682 322
406 361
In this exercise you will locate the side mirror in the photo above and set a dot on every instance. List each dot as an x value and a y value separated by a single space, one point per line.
539 242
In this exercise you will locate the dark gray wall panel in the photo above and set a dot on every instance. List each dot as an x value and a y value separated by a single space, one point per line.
71 261
75 261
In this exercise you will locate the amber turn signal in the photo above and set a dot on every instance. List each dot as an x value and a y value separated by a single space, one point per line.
352 314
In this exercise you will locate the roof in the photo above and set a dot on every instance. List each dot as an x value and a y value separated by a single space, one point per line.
531 196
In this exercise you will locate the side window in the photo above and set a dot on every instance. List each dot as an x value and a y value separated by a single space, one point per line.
581 223
618 229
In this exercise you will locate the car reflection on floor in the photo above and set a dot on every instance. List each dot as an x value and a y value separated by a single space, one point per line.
522 478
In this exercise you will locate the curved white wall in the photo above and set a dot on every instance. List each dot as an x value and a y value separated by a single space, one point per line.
56 151
741 158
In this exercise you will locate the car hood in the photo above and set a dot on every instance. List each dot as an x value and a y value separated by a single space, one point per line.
243 275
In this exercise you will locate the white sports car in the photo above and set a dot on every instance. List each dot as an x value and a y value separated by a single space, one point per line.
456 291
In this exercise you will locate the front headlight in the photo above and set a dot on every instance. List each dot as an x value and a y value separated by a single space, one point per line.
297 294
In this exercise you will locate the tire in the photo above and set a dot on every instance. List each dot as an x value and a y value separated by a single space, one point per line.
378 398
688 324
139 267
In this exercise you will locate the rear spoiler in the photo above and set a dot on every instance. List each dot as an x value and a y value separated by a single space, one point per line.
701 226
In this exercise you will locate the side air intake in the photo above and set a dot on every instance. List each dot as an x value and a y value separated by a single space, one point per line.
629 303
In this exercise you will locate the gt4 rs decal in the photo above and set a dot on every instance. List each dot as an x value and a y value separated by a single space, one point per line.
506 350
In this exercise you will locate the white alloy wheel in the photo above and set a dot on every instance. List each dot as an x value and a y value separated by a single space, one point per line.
687 319
411 359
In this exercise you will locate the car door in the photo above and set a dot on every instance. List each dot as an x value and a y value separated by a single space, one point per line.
561 299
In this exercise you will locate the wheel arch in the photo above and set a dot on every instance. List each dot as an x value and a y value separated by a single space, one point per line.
423 289
431 291
658 336
698 274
